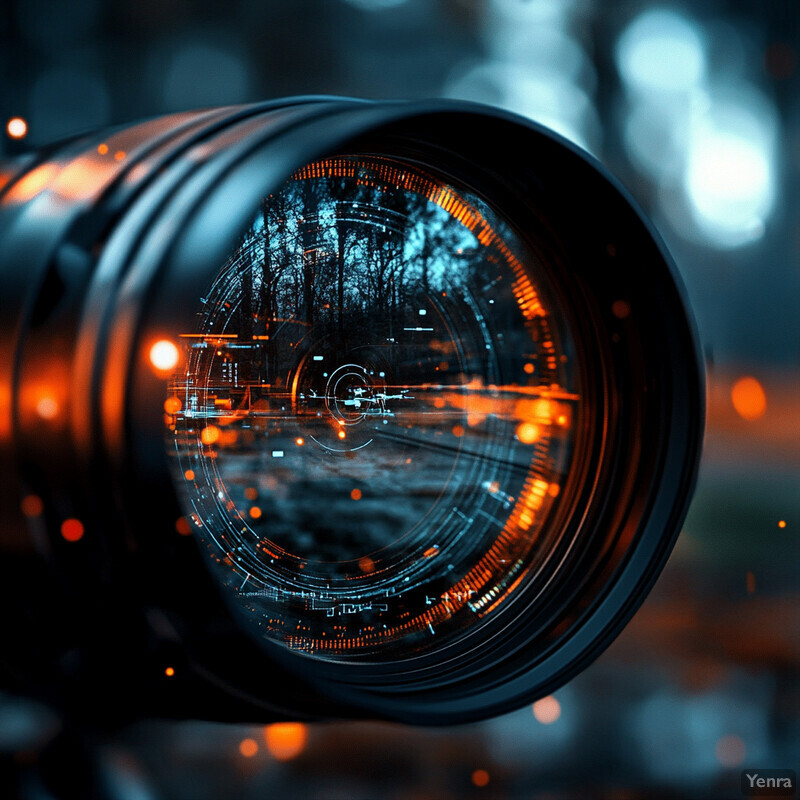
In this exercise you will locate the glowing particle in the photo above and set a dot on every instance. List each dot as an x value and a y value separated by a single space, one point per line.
553 489
749 398
730 751
119 155
480 778
248 747
356 494
782 523
527 432
620 309
341 434
102 149
183 527
366 564
164 355
32 505
72 529
458 431
169 672
210 434
255 512
172 405
47 408
189 474
251 493
17 128
547 710
299 441
286 740
528 368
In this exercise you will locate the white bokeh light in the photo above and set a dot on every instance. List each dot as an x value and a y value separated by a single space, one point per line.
730 171
661 51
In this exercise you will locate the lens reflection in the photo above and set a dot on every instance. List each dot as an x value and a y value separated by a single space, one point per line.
378 414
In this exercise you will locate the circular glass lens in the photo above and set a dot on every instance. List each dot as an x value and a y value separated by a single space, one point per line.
378 418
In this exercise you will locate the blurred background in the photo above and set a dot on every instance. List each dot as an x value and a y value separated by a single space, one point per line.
696 107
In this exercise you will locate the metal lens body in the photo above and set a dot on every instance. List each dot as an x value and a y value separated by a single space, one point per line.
363 409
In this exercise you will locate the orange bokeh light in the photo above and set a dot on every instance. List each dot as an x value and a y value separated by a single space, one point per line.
527 432
255 512
547 710
366 564
210 434
286 740
248 747
620 309
172 405
169 672
164 355
102 149
480 778
72 529
749 398
356 494
299 441
32 505
182 526
782 523
189 474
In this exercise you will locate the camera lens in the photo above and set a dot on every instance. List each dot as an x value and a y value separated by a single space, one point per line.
362 409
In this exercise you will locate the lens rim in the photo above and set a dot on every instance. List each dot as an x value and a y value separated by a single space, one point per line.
536 188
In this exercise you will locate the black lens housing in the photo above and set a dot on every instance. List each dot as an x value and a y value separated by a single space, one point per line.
103 239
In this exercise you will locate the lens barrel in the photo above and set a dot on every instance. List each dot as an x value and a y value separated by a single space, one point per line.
110 245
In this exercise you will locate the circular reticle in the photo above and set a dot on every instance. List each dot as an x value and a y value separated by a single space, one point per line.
378 415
